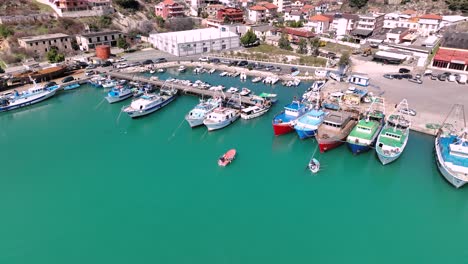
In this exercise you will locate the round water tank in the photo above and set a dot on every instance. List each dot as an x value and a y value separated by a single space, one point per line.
103 52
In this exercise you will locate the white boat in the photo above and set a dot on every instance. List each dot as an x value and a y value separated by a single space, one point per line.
161 70
256 110
296 82
152 71
212 71
118 94
181 68
243 76
314 165
149 103
196 116
33 95
217 88
198 70
154 78
221 117
451 145
245 92
267 80
274 80
223 74
233 90
257 79
317 86
109 84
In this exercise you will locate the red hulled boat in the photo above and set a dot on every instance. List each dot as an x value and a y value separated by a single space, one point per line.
283 122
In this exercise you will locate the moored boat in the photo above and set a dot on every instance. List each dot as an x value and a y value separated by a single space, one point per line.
118 94
451 145
243 76
314 165
196 116
181 68
306 126
109 84
232 90
394 135
283 122
71 86
245 92
227 158
334 129
270 96
260 108
221 117
257 79
33 95
149 103
365 133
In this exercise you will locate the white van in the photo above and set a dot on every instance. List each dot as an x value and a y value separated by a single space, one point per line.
452 78
462 79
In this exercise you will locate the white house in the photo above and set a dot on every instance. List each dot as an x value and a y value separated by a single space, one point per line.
197 41
368 24
429 24
293 15
394 20
319 23
282 4
257 13
343 24
448 21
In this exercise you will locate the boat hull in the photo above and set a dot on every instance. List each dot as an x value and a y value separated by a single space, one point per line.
141 113
33 101
357 148
305 133
387 159
195 122
115 99
219 125
282 129
252 116
329 144
456 182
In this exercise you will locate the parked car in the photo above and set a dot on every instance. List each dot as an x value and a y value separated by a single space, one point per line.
294 69
406 76
50 84
89 72
106 64
160 60
90 67
427 73
269 68
452 78
403 70
410 111
227 62
388 76
135 64
434 76
120 60
122 65
397 76
233 63
82 64
147 62
243 63
277 69
258 66
418 76
204 59
442 77
68 79
215 60
416 80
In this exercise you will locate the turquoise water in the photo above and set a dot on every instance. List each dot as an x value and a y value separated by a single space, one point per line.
79 184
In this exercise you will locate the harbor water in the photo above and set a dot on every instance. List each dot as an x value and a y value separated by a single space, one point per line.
81 183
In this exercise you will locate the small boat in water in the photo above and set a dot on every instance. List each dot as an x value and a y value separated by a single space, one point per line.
243 76
394 135
451 145
71 86
227 158
196 116
283 122
118 94
149 103
233 90
223 74
314 165
161 70
257 79
109 84
181 68
33 95
221 117
212 71
217 88
270 96
245 92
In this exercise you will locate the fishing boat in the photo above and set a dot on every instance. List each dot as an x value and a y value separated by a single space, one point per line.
71 86
243 76
31 96
232 90
245 92
306 126
212 71
149 103
181 68
270 96
394 135
221 117
260 108
109 84
334 129
451 145
365 133
227 158
314 165
118 94
283 122
257 79
196 116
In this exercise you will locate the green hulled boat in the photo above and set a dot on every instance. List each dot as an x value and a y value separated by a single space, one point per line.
365 133
394 136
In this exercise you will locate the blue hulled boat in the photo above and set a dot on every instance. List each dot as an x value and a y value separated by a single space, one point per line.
307 125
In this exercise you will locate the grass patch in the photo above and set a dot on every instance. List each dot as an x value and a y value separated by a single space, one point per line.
42 7
337 48
269 49
312 61
3 64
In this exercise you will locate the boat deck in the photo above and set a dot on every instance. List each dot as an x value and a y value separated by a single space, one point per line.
396 143
358 133
455 160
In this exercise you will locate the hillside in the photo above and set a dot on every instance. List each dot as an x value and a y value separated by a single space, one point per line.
447 7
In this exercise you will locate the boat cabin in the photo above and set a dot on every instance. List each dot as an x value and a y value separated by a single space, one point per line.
251 110
337 120
294 109
393 136
221 114
359 80
459 149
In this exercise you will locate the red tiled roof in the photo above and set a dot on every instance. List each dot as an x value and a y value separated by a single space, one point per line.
258 8
450 55
299 33
168 2
409 12
431 16
320 18
267 5
308 7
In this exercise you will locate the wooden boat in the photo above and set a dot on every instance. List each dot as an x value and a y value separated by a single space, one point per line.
227 158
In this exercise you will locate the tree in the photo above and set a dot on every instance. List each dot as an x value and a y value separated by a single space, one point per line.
122 43
284 43
344 59
160 21
315 43
5 31
128 4
357 3
74 44
204 15
54 56
227 20
303 49
249 38
295 24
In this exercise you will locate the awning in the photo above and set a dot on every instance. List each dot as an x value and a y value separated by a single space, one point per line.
361 32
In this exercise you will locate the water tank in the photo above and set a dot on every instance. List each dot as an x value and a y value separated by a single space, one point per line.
103 52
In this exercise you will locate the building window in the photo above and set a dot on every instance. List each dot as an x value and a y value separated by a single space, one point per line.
98 39
30 44
223 46
37 43
90 40
113 37
66 47
205 49
105 38
440 64
43 42
457 66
